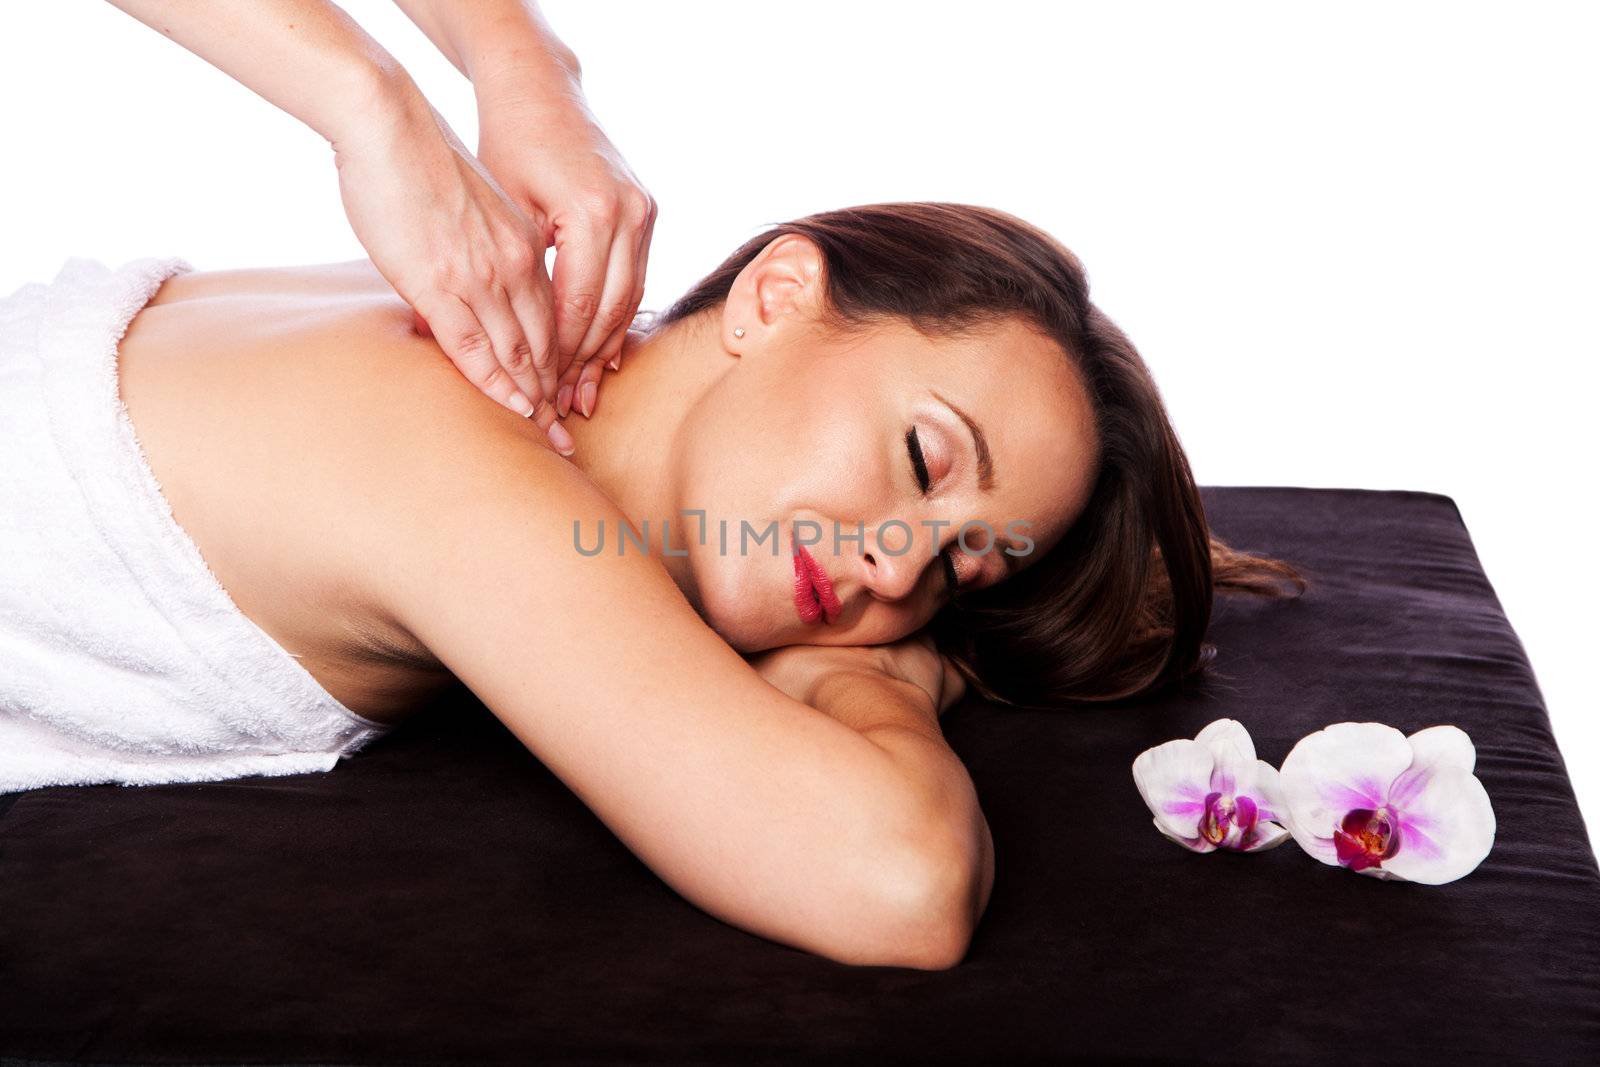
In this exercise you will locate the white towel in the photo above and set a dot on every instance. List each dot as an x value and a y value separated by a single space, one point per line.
122 658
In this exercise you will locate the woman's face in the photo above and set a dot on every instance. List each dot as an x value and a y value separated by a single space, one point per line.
805 439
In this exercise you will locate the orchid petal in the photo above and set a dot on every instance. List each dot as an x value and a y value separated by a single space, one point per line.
1233 769
1335 770
1265 835
1194 844
1447 828
1225 730
1173 778
1317 847
1435 748
1446 746
1246 814
1267 792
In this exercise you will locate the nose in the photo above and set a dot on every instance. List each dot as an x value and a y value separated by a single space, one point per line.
888 570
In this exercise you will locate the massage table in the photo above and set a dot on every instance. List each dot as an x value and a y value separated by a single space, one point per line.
442 897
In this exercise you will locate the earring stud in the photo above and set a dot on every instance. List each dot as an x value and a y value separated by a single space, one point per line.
738 331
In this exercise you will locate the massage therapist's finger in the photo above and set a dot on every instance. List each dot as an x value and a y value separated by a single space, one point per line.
612 346
615 313
533 302
583 246
467 343
567 390
545 417
611 318
580 386
611 352
588 390
512 350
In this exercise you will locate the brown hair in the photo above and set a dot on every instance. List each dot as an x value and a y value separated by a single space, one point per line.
1118 608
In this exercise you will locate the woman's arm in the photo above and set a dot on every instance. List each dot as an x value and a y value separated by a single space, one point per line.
753 806
896 715
893 694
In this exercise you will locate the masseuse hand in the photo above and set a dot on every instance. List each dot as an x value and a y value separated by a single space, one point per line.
465 249
462 255
543 145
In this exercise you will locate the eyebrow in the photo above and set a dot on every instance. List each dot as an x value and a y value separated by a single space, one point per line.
985 475
979 442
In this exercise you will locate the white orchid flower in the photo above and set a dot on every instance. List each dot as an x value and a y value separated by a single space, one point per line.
1212 793
1365 796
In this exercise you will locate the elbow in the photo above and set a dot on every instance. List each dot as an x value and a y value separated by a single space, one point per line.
943 912
940 947
930 907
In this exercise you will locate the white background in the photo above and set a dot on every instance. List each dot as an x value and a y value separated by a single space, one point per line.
1357 243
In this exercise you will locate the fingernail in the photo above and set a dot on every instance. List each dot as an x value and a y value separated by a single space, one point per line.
564 400
561 439
523 405
588 399
615 363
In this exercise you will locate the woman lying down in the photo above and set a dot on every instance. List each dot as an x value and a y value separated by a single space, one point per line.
253 519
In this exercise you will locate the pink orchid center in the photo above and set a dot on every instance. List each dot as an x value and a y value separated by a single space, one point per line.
1366 837
1227 818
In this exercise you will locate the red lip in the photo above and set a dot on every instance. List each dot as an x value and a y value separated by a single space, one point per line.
813 591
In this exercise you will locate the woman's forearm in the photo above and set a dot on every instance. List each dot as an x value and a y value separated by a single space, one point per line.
486 37
305 56
895 715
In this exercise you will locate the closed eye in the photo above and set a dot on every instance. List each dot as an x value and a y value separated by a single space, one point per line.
919 466
919 469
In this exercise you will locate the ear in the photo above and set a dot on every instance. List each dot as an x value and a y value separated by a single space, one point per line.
777 292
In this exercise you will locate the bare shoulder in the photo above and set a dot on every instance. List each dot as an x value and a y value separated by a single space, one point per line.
474 521
756 807
356 277
751 804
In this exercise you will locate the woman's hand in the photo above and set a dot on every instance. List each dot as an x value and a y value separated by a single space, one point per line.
917 659
797 669
457 250
544 147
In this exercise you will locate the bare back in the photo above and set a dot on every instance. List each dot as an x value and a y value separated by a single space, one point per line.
380 518
265 402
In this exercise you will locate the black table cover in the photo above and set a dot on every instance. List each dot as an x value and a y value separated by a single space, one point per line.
441 897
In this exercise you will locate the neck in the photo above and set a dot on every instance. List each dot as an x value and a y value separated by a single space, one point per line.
632 445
